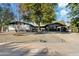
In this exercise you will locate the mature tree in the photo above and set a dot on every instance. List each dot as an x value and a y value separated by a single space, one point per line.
74 9
74 15
39 13
6 15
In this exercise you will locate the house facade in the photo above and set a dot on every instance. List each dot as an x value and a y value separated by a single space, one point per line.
21 26
56 27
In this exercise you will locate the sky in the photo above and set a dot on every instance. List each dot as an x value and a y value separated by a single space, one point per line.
61 11
15 10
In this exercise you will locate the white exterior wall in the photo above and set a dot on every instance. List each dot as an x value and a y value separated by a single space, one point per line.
11 28
22 27
25 27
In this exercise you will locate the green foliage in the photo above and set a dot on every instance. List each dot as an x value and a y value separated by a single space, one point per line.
6 15
75 25
74 7
74 28
39 12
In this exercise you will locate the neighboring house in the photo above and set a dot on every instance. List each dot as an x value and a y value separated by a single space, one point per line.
56 27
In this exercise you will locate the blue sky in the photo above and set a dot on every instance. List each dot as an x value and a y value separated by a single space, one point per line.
15 9
62 12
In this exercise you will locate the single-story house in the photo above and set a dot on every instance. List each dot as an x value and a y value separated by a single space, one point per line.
22 26
56 27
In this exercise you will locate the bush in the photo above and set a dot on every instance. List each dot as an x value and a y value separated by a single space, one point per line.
74 29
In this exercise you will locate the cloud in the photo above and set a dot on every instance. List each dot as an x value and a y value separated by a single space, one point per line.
62 5
63 12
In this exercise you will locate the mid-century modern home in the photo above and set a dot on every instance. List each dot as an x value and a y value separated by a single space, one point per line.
22 26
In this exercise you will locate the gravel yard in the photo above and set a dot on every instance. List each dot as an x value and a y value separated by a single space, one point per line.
31 44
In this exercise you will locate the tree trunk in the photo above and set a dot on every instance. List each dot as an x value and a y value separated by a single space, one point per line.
18 28
39 29
1 30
